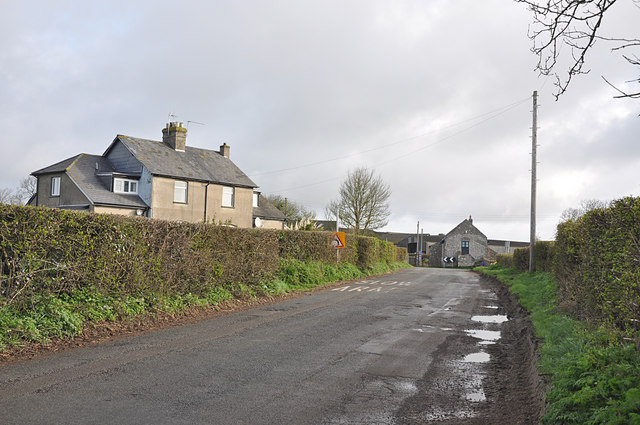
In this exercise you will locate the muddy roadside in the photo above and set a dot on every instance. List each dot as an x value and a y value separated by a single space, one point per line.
507 390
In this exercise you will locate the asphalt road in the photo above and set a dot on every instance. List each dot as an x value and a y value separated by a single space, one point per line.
352 354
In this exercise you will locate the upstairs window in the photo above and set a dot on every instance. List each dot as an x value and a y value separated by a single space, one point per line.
465 247
55 186
255 199
180 192
228 195
125 186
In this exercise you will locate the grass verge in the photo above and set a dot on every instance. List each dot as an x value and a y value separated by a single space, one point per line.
45 316
594 374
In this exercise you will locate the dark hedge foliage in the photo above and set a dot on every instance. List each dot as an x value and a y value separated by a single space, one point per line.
544 251
505 260
597 264
56 251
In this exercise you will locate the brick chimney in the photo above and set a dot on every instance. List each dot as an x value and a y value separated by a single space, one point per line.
470 220
225 150
175 135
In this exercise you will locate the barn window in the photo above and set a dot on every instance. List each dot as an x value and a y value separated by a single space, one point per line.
465 247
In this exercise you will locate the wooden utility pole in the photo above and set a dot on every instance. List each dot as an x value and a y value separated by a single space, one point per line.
534 145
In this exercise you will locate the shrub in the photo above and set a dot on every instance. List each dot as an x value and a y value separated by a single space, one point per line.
505 260
544 252
597 265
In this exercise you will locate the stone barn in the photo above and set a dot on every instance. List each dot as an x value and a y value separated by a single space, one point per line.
465 243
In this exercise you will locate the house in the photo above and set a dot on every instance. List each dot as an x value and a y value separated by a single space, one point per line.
465 244
158 179
265 214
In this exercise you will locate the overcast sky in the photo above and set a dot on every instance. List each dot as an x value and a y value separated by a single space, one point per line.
434 95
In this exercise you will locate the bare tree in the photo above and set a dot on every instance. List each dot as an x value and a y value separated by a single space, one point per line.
6 196
363 202
21 194
574 24
585 206
26 189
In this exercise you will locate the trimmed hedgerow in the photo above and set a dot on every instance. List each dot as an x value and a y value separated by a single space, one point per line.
58 251
505 260
544 252
597 265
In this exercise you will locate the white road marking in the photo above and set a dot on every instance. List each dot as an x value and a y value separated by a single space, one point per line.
445 307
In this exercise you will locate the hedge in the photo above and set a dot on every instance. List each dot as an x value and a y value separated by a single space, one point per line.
505 260
57 251
597 265
544 252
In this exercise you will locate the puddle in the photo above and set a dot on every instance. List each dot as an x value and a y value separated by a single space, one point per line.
484 335
490 319
408 387
476 396
480 357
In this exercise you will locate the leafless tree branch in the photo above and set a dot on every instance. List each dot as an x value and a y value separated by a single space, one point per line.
573 24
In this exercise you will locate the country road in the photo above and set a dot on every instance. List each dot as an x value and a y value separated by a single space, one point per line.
417 346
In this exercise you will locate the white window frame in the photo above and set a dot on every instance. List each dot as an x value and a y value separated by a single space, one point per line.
126 186
256 197
228 196
180 192
55 186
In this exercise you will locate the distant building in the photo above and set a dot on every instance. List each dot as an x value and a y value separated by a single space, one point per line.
465 245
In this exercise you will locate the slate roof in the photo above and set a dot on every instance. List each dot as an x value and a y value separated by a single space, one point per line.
83 172
513 244
267 210
465 224
58 167
192 164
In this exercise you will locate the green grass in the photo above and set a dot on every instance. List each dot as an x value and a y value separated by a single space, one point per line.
595 377
45 316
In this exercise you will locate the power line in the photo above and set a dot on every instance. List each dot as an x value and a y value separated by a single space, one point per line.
493 113
490 115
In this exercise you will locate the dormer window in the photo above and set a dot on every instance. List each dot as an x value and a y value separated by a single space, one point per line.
125 185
